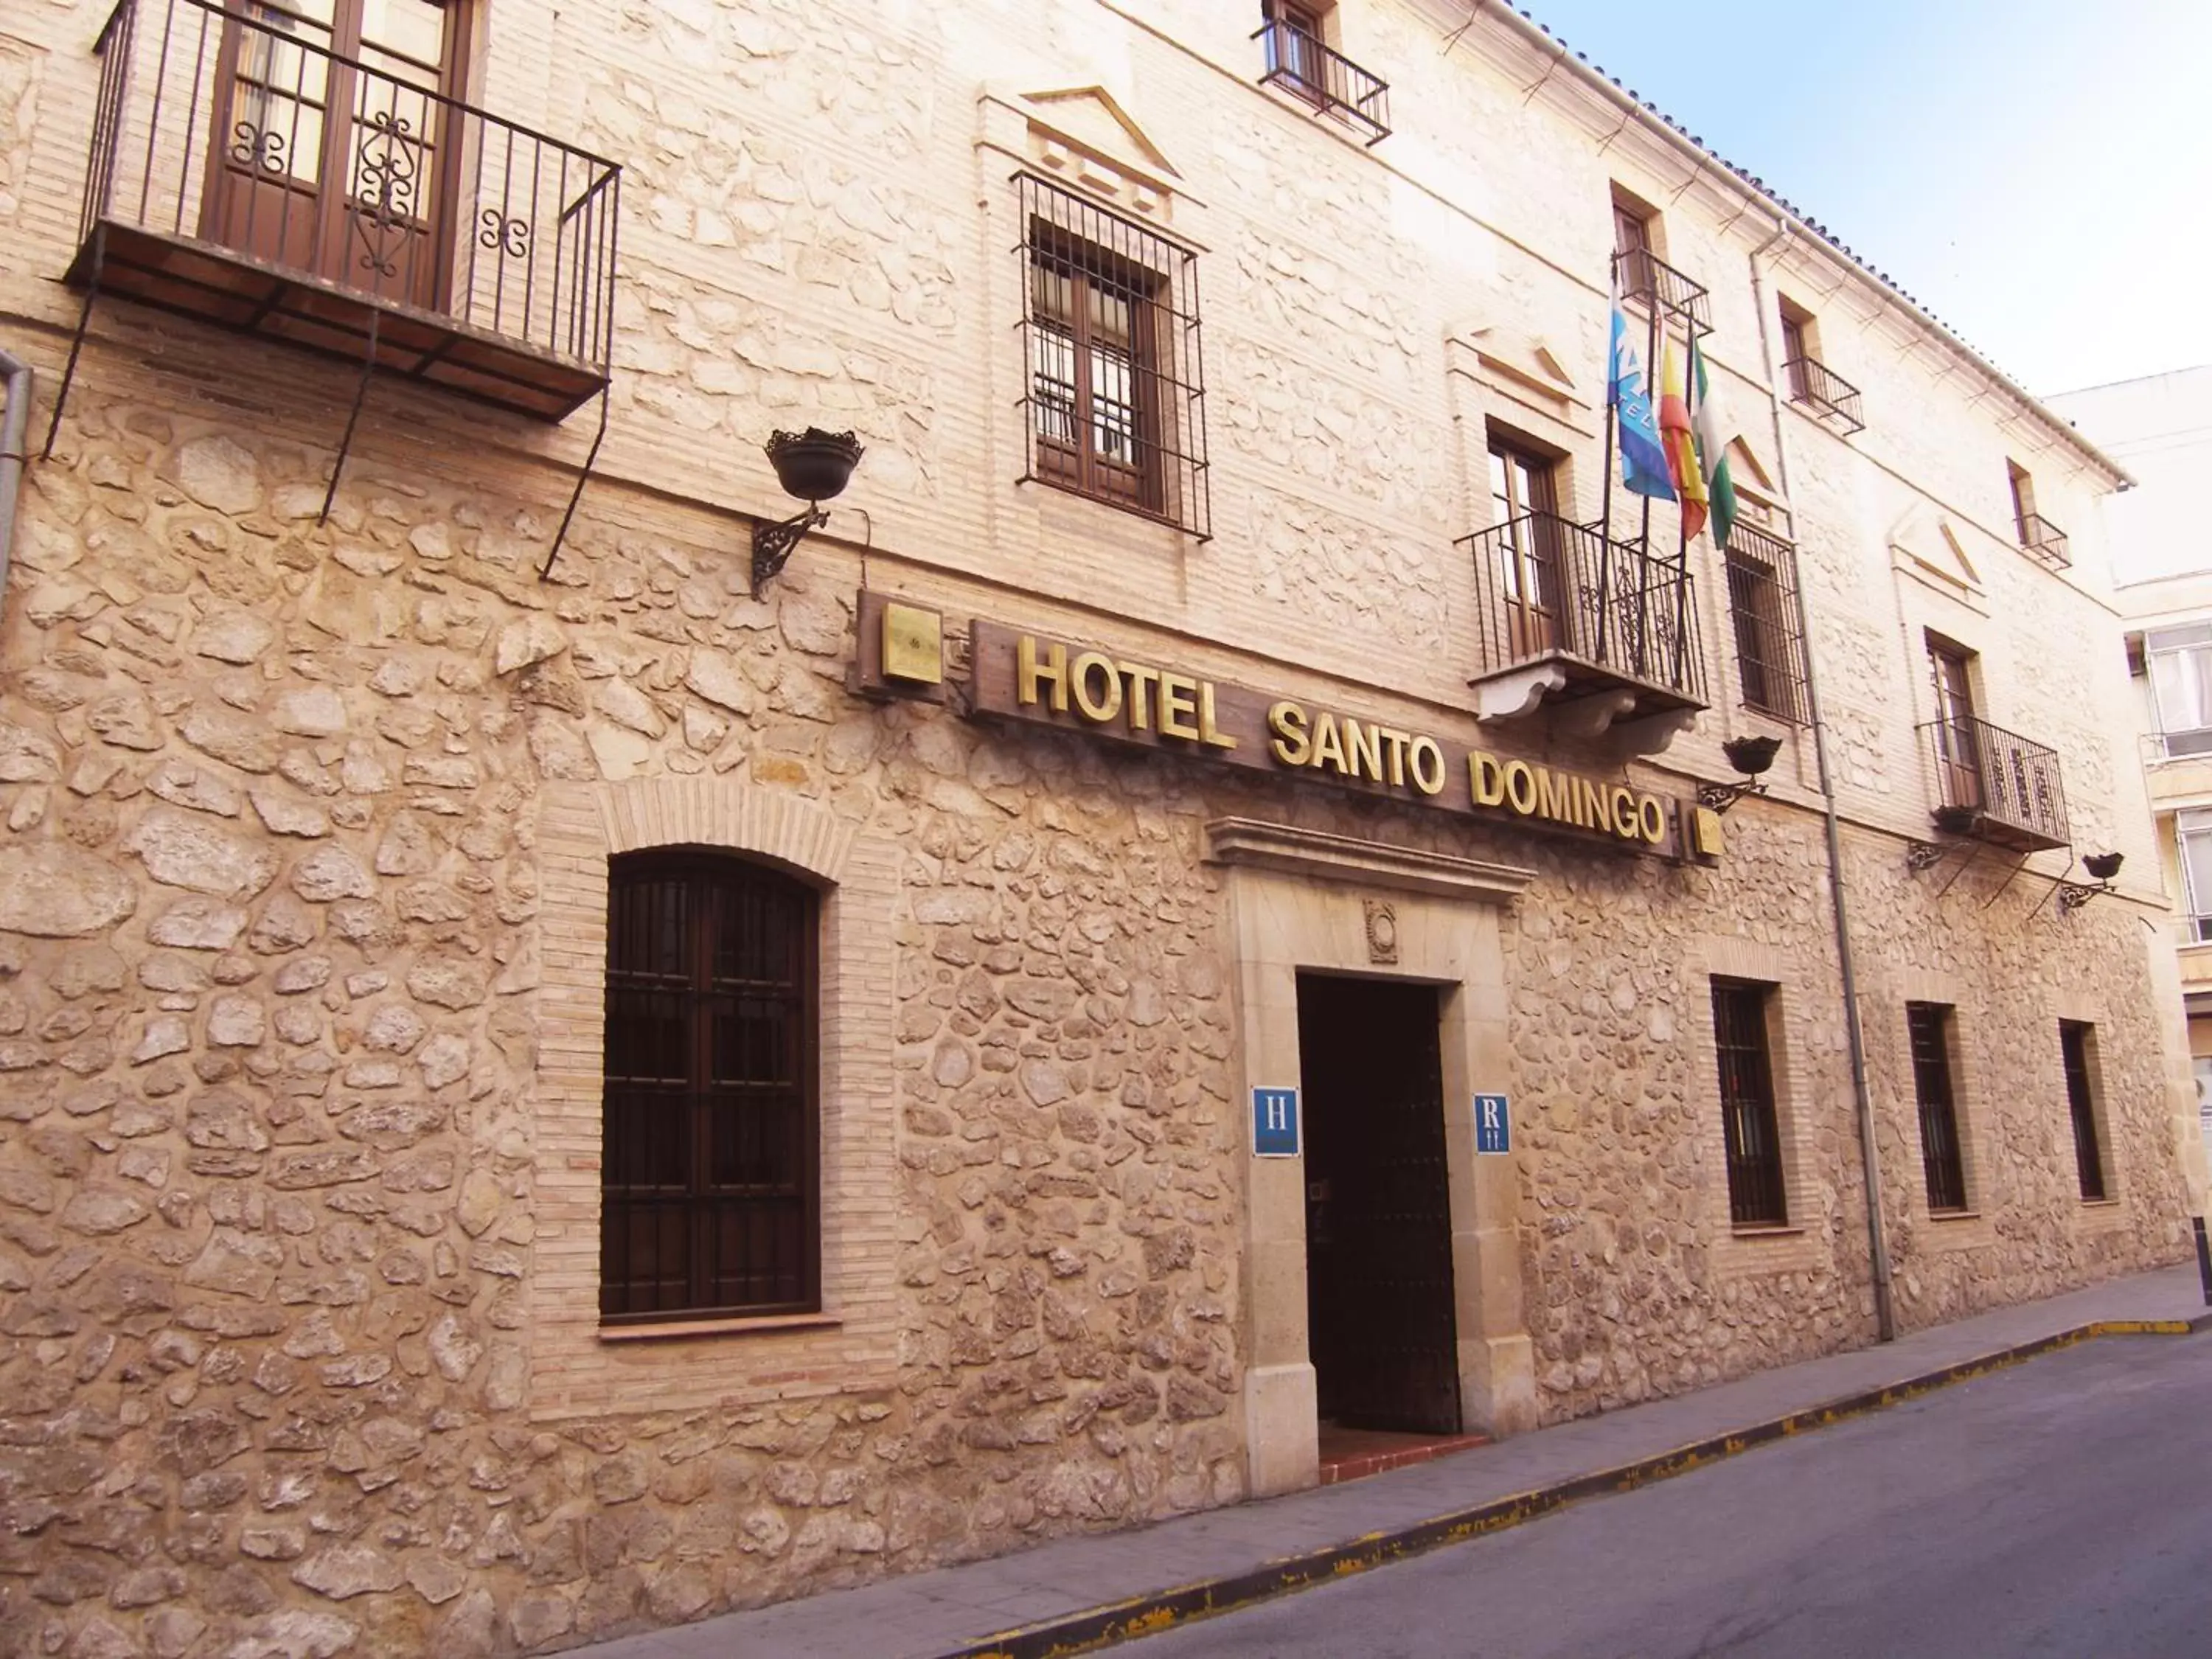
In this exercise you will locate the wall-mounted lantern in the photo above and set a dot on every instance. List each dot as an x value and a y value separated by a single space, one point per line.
815 467
1749 755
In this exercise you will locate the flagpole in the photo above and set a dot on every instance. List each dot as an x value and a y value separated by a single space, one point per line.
1651 369
1682 518
1612 403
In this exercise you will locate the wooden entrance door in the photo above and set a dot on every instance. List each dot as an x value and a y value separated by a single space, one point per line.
333 151
1379 1298
1524 500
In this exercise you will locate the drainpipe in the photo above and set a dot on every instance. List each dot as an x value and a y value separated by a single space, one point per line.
1877 1230
17 374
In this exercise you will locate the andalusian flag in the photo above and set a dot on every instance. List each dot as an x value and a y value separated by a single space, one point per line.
1715 432
1675 432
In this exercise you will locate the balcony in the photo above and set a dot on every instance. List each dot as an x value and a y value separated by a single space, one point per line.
242 173
1996 786
2045 539
1649 280
1596 629
1827 393
1331 82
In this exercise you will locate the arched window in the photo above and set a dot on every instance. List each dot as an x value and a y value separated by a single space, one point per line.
710 1173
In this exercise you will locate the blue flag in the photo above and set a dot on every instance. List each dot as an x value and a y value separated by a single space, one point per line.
1628 390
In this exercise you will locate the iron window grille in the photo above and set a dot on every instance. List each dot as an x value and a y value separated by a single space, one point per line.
1928 1025
1769 641
1114 399
1299 62
710 1182
2088 1156
1825 392
1756 1195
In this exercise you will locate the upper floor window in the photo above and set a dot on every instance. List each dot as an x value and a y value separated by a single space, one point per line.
1806 376
1762 585
1296 41
710 1178
1524 504
2180 662
2037 533
334 118
1116 398
1301 60
1635 242
2192 831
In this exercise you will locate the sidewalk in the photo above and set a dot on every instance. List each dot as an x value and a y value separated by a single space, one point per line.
1075 1593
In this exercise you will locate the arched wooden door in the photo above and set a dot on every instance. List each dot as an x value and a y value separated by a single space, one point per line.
332 150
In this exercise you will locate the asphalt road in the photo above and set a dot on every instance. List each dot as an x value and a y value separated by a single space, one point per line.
2061 1507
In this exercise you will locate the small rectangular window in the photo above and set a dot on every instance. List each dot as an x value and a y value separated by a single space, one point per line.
1752 1131
1929 1024
2074 1042
1798 353
1115 404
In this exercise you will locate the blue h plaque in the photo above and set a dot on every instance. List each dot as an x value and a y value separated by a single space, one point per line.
1275 1123
1493 1124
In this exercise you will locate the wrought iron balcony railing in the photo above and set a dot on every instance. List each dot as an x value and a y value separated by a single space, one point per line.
243 171
1996 786
2045 539
1649 280
1827 393
1550 589
1328 80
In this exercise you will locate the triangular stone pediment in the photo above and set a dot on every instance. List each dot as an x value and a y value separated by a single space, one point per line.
1927 546
1530 359
1091 118
1746 468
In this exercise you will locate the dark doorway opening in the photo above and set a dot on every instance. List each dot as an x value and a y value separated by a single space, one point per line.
1379 1314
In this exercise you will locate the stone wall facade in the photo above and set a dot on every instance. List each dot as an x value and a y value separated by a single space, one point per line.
302 888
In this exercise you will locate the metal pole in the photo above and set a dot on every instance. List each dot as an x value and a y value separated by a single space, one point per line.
1885 1312
2204 1258
14 425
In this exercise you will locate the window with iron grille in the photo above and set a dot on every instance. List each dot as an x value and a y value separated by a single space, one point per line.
1770 646
709 1184
1928 1025
2073 1039
1756 1197
1116 398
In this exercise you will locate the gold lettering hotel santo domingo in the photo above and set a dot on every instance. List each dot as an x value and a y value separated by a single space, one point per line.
1025 677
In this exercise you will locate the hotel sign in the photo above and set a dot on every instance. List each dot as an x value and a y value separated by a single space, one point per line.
1022 675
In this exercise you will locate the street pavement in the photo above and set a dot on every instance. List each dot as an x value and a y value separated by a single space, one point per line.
2062 1507
1071 1594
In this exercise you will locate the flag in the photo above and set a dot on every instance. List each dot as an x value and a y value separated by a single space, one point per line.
1642 462
1715 432
1681 446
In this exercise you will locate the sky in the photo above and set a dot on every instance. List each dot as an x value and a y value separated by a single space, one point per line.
2036 173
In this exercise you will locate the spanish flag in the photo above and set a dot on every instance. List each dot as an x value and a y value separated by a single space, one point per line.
1675 432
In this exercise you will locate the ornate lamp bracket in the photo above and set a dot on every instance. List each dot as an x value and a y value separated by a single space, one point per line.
1722 796
773 544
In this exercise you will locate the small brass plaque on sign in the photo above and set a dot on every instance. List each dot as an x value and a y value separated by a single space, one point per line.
913 644
1706 836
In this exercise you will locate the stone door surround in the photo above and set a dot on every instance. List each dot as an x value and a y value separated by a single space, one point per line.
1303 899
